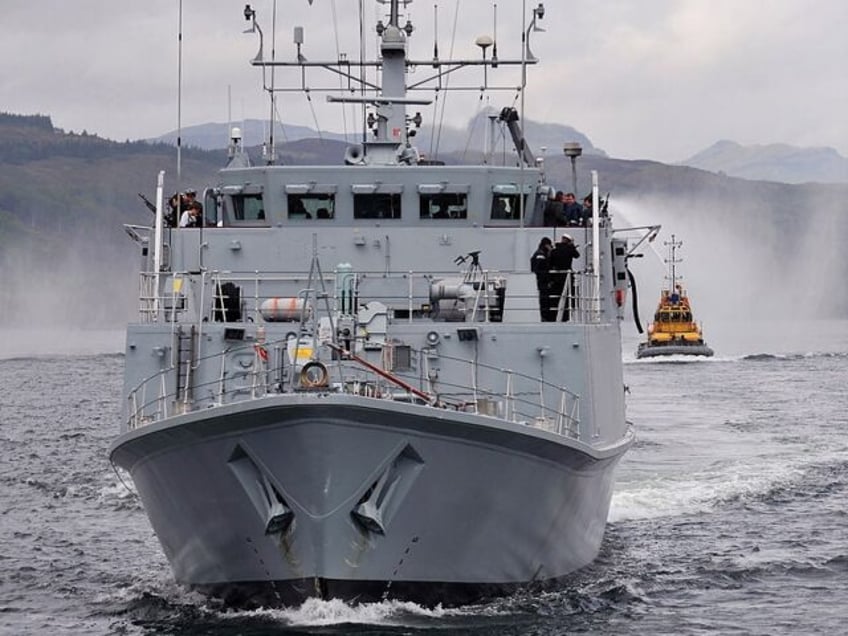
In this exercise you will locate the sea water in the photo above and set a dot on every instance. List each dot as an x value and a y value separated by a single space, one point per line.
729 513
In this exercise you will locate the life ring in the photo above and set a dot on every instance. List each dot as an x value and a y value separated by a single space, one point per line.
314 375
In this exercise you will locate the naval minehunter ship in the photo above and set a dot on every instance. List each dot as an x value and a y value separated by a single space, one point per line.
339 385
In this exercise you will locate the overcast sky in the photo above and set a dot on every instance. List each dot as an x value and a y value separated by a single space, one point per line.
654 79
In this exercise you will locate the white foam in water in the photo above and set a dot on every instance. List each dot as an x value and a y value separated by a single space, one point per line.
315 613
660 498
116 490
630 358
664 497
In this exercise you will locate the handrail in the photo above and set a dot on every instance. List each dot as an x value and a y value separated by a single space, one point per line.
411 290
370 381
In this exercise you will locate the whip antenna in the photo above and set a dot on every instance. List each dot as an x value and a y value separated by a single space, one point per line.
272 157
435 34
495 36
179 96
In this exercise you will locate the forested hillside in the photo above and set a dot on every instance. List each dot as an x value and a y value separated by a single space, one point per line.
65 196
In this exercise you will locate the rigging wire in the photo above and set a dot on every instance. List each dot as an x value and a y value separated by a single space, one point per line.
447 79
338 57
473 128
314 115
436 101
282 124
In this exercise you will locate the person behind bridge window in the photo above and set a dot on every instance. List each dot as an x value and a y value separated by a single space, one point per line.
540 265
442 212
501 209
297 209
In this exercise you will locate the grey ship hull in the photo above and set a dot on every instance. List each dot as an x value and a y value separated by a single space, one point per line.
293 496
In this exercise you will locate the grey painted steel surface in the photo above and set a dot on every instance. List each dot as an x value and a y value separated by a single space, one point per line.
479 502
451 444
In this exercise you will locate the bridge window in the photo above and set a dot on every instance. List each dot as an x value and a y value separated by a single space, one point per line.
376 206
444 205
246 208
376 201
312 206
507 207
506 202
306 201
212 205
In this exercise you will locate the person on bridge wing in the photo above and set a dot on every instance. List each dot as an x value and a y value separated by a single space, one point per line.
539 265
560 261
587 211
193 216
554 211
573 211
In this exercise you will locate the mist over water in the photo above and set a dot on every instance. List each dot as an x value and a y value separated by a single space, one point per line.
47 340
741 270
76 300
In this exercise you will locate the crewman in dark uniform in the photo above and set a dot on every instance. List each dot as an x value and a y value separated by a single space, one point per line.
539 265
560 261
554 211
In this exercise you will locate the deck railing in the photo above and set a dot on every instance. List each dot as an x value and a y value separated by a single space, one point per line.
492 391
406 294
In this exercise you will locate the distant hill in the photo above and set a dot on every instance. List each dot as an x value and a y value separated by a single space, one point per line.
215 136
779 163
468 139
773 162
64 198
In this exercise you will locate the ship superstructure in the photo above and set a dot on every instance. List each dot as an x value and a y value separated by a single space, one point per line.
340 385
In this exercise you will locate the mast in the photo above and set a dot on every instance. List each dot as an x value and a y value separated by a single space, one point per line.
389 98
391 116
672 261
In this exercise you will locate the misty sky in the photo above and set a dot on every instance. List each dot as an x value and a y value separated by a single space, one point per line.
655 79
